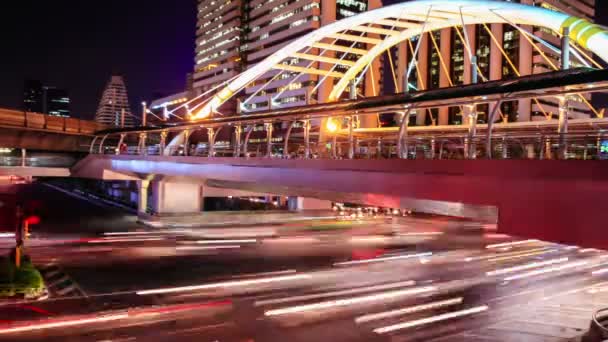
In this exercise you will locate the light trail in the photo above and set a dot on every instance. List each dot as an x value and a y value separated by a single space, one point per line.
511 244
429 320
112 240
545 270
203 248
350 301
526 266
408 310
203 242
399 257
64 323
130 233
334 293
420 234
505 256
131 313
224 284
522 254
588 250
598 272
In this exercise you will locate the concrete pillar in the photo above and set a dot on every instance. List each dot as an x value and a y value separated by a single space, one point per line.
142 196
174 197
306 203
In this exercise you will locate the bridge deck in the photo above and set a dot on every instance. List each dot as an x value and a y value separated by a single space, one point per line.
553 200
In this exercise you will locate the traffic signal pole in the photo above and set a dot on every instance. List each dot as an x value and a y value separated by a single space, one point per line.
19 236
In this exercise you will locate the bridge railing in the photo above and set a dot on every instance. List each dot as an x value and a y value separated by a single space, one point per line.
348 129
294 144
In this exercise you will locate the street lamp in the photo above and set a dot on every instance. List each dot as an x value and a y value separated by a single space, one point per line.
331 125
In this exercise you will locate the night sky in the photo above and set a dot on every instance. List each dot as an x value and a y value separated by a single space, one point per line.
77 44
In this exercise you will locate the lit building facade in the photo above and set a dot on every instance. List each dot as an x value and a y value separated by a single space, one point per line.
274 24
502 52
39 98
114 101
32 96
56 102
233 35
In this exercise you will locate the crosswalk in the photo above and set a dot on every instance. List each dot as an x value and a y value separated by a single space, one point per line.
58 283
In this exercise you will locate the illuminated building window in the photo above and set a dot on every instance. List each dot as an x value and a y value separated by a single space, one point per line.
434 62
483 41
457 60
511 46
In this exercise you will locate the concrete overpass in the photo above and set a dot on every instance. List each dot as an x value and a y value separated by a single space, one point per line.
35 131
554 200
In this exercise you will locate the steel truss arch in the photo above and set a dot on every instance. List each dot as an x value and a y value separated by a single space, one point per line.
407 20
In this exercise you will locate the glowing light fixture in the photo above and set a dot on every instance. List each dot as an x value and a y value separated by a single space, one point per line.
331 125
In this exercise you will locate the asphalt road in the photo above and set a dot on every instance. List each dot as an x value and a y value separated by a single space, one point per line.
407 279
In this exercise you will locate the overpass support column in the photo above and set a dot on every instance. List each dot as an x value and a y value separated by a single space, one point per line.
307 203
23 157
142 196
176 198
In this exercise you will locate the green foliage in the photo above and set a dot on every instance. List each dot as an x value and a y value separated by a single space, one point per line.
23 280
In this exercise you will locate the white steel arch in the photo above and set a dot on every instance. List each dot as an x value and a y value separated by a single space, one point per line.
397 23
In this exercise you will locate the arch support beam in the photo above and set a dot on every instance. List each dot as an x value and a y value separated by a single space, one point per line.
407 20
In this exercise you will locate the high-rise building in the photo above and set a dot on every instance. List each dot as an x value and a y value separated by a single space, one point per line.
32 96
234 35
44 99
56 102
502 52
114 101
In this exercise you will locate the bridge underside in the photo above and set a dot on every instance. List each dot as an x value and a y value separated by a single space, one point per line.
559 201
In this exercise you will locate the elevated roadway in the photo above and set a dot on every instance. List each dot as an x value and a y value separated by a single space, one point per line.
554 200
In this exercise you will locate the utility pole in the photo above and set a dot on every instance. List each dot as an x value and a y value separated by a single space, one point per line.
122 118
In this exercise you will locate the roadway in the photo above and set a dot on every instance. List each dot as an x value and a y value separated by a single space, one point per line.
382 279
